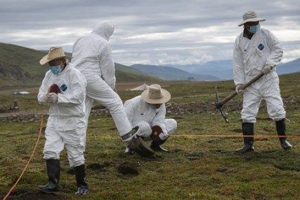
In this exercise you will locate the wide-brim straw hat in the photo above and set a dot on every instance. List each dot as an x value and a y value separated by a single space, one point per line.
54 53
251 16
154 94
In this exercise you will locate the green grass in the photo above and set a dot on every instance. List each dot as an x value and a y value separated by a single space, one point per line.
201 163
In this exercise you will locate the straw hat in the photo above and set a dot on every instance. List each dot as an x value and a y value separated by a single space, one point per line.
54 53
154 94
251 16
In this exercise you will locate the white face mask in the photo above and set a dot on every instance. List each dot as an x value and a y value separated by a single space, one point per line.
153 106
56 69
253 29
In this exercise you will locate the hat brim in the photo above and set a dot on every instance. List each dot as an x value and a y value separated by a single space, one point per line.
252 20
166 97
45 59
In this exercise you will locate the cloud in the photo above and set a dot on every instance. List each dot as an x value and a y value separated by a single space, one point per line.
149 31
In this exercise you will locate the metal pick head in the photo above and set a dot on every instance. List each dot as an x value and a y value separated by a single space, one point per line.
219 106
224 116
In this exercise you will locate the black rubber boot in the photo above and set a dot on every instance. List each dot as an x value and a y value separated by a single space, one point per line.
53 171
281 131
248 133
155 145
80 180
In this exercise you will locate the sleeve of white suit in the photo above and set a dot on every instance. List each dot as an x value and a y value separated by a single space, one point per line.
107 67
238 66
276 50
43 90
77 96
159 118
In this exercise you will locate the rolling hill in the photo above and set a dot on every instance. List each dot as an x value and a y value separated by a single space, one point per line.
213 70
171 73
222 69
20 68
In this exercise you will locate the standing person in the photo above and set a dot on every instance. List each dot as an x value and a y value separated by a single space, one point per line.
147 112
63 88
92 56
258 50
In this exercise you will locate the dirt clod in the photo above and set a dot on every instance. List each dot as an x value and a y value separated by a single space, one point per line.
127 168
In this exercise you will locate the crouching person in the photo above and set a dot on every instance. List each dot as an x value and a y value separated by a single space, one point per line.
63 88
147 113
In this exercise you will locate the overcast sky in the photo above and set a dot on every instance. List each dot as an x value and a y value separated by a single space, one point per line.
157 32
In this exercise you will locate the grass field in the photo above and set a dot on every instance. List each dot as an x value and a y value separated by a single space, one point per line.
201 163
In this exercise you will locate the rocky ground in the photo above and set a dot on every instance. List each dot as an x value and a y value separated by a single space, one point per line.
172 108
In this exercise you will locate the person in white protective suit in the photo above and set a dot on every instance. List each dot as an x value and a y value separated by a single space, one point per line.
63 88
257 50
147 113
92 56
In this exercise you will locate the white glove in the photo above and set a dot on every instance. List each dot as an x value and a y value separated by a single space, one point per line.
239 88
267 69
52 97
45 98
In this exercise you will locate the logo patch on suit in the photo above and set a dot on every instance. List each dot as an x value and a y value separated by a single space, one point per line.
261 47
63 87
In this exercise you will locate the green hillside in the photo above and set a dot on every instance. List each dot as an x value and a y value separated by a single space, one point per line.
127 74
20 68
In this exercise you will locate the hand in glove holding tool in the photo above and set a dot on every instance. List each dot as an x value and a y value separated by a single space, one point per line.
239 88
140 147
267 69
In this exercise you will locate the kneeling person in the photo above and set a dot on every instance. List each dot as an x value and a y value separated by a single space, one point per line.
147 113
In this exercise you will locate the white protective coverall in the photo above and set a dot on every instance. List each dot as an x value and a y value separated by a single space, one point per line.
142 115
66 123
249 59
92 56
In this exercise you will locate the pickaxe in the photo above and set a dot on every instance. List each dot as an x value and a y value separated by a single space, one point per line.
219 104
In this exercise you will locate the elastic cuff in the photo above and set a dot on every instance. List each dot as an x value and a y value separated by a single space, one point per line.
126 136
163 136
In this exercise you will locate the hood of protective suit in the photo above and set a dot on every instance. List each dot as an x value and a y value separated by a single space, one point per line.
104 29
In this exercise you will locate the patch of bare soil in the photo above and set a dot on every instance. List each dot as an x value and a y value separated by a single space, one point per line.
128 168
97 167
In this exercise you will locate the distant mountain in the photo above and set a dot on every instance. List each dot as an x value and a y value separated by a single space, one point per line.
289 67
171 73
127 74
19 67
222 69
